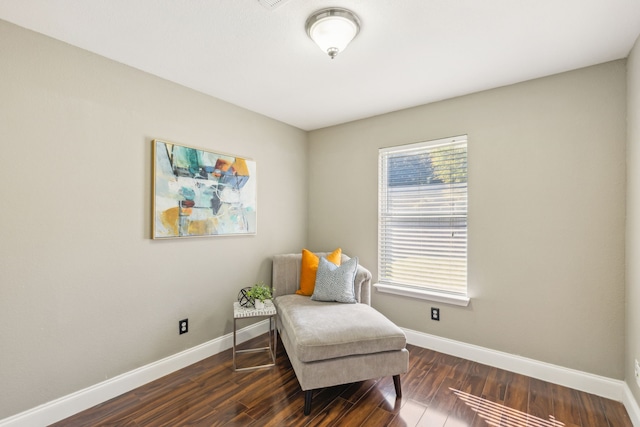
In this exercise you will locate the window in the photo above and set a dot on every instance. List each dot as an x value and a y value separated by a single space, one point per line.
422 222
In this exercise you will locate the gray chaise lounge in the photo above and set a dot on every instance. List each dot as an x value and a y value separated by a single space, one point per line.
333 343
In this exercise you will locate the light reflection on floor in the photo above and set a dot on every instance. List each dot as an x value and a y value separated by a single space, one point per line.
496 414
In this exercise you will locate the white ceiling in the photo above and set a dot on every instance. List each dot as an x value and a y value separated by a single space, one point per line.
408 52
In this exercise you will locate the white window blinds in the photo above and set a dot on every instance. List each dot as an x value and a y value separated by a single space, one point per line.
422 225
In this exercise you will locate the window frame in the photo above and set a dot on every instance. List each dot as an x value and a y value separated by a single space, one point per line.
407 290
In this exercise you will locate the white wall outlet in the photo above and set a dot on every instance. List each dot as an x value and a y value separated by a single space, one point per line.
637 372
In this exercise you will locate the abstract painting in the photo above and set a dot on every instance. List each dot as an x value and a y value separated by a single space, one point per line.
200 193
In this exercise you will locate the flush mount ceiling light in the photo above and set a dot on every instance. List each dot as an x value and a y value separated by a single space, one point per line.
333 29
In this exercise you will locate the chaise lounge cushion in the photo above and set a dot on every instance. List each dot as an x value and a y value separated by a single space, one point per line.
326 330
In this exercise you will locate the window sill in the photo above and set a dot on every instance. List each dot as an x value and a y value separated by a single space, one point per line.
423 294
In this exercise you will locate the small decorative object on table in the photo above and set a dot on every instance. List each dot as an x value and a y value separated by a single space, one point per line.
258 294
244 299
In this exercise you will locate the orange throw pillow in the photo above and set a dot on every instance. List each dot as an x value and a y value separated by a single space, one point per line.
309 268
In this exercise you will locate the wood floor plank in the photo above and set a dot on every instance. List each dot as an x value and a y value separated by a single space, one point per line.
409 414
240 420
119 423
391 402
439 409
412 381
430 384
540 400
566 406
321 400
172 405
489 405
276 397
363 408
287 416
591 411
616 414
379 417
155 389
217 394
205 416
438 390
517 400
354 392
421 358
229 413
462 413
331 414
495 388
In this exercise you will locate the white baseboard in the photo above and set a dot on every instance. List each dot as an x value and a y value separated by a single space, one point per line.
632 406
73 403
66 406
583 381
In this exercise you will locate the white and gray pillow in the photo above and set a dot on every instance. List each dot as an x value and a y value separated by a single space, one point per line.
335 283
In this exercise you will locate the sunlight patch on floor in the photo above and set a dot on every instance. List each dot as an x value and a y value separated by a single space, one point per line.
496 414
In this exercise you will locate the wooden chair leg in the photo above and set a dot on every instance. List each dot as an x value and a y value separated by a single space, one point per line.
307 401
396 384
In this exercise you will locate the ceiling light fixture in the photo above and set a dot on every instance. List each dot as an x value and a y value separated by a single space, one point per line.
333 29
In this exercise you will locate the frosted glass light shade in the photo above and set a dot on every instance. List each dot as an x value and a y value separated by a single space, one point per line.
333 29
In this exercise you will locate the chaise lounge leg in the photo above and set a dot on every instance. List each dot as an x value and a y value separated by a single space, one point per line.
396 384
307 401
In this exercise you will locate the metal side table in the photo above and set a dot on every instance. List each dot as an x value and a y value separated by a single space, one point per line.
269 311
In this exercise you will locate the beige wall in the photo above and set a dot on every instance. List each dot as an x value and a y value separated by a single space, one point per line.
633 219
85 294
546 213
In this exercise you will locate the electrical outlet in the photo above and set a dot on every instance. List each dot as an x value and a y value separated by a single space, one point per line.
637 372
183 326
435 313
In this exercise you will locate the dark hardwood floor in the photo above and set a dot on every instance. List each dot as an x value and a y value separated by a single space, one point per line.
439 390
